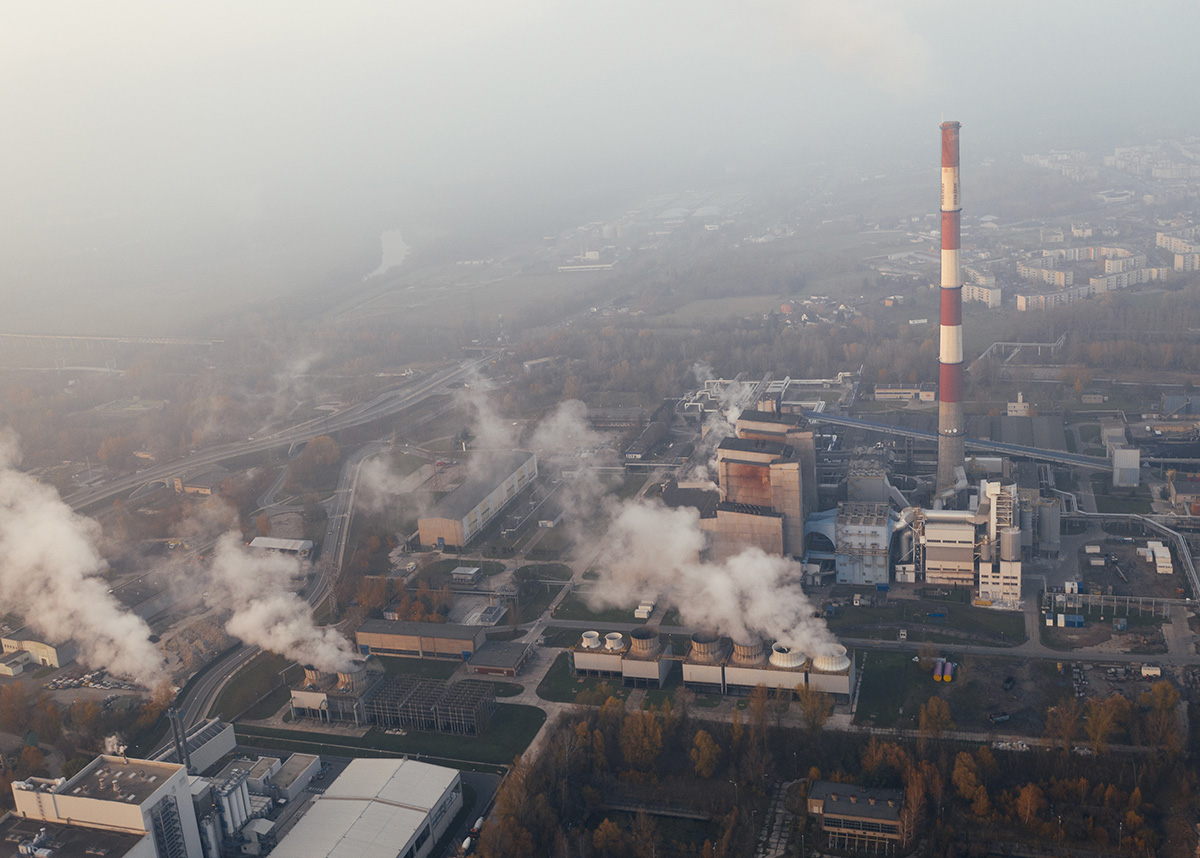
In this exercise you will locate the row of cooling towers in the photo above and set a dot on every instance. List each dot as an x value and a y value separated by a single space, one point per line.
707 648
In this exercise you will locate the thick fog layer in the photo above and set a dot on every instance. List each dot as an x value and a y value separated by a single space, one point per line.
206 145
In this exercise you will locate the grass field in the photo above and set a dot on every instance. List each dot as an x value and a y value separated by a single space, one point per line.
533 606
961 623
561 687
574 607
554 571
512 729
890 679
259 676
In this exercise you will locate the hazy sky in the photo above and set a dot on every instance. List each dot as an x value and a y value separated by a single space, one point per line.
230 116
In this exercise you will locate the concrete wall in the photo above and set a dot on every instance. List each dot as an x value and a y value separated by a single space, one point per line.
746 482
597 660
451 531
731 532
787 497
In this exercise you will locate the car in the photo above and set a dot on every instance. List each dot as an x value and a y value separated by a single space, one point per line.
1009 683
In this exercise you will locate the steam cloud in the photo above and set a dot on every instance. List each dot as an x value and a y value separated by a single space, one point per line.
719 425
266 611
49 574
651 549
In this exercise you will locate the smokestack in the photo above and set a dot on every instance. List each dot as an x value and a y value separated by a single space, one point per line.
950 381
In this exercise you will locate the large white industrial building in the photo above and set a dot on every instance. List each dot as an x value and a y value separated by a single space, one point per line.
121 807
149 800
377 809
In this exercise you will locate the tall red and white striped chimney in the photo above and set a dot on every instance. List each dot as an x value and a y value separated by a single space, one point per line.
951 428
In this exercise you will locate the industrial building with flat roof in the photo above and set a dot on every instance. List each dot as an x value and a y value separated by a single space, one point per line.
419 640
461 515
856 818
48 655
117 794
24 837
377 809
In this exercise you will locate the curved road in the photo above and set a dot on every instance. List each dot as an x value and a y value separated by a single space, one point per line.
383 405
196 704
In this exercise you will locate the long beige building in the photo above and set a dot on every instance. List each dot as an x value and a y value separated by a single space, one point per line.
463 513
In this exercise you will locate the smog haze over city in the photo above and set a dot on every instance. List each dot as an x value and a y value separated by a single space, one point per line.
638 429
166 165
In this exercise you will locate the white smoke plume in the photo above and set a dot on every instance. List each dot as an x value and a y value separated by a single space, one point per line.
265 610
50 575
491 430
650 549
732 400
379 483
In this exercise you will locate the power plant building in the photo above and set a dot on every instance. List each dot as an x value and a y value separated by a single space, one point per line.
41 652
640 659
419 640
378 808
334 697
462 514
766 472
141 799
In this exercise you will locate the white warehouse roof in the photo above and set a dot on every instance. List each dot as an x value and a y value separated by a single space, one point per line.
372 809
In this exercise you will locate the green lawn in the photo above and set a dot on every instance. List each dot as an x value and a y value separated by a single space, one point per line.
508 689
533 606
889 680
259 676
269 705
574 607
555 637
512 729
561 686
961 623
553 571
437 574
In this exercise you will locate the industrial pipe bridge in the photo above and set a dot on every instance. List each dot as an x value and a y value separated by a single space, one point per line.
1037 453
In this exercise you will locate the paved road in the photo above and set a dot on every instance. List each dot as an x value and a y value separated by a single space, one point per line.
198 702
383 405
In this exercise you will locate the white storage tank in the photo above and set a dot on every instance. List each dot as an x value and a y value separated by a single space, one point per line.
591 640
1010 543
